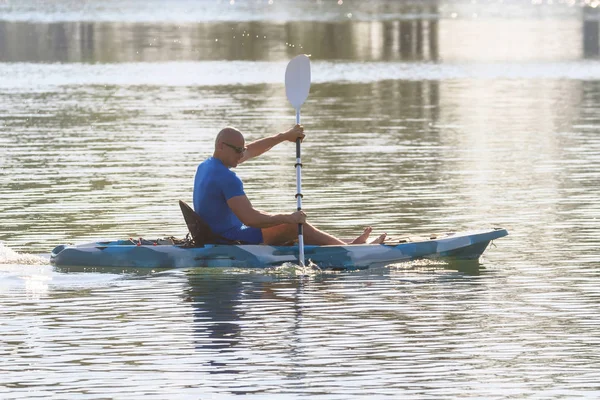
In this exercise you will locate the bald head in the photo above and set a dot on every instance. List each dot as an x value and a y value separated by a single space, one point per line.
229 147
230 135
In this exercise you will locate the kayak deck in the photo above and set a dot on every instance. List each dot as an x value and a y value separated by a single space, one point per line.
164 254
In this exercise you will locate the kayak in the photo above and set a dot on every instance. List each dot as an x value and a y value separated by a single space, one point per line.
170 253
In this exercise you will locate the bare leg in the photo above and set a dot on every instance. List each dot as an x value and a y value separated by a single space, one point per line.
313 235
281 234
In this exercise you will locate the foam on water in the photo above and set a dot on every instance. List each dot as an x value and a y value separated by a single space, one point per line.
310 269
9 256
287 269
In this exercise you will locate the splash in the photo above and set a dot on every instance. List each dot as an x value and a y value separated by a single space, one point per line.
9 256
292 269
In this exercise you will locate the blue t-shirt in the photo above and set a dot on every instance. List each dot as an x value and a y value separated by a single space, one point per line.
214 184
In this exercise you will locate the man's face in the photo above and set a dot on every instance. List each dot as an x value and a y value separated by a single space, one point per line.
233 150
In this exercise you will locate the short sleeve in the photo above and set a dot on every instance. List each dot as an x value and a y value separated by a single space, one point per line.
232 186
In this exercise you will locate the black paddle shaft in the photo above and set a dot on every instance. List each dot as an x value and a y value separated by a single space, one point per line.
299 194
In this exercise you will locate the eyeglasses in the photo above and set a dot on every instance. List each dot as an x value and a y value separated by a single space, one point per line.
237 149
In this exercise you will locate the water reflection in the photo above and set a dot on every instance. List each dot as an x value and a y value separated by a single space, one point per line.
420 35
271 310
106 42
216 299
591 32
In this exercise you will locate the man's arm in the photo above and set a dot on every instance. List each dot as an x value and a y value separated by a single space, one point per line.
263 145
243 209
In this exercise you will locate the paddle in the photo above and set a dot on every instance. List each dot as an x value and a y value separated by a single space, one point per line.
297 86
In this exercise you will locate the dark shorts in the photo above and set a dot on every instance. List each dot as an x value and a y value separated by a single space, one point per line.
245 234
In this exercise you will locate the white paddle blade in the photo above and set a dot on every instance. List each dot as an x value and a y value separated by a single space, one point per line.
297 80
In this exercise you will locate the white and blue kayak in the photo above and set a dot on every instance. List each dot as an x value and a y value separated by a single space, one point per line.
169 253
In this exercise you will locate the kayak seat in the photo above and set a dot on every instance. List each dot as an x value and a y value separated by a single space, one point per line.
199 230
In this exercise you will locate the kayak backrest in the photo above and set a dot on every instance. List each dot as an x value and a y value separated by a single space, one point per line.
200 231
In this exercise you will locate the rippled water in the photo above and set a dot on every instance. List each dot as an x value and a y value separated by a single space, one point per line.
422 117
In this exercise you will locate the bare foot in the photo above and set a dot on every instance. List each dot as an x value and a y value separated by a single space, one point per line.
363 237
380 239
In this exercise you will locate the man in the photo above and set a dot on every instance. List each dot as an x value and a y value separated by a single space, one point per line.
220 200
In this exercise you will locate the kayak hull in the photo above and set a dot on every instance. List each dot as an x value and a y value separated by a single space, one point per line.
462 246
